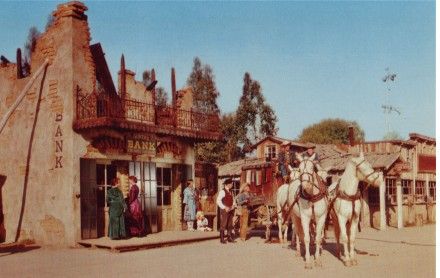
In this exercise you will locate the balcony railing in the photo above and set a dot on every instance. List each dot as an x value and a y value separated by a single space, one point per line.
95 106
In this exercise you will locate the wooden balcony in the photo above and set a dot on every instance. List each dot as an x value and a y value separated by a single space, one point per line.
111 112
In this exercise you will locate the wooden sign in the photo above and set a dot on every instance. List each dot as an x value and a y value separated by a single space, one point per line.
141 146
426 163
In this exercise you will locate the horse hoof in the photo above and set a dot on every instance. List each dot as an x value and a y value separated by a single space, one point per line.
318 263
297 254
308 266
347 263
354 262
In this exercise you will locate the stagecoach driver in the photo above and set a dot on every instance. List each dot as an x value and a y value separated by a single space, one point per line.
283 159
226 203
309 153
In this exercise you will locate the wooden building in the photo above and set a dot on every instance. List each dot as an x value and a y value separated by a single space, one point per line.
69 130
407 165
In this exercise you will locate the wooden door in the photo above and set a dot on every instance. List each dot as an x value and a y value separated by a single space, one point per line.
88 198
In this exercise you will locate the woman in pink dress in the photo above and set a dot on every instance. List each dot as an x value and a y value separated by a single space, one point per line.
135 223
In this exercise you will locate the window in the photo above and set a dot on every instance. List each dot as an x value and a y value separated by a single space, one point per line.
163 176
406 189
391 190
420 193
270 152
432 189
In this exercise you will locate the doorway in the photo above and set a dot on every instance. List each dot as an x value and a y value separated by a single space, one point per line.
164 189
145 172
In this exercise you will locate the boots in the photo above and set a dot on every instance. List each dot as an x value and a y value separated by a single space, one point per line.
222 237
230 237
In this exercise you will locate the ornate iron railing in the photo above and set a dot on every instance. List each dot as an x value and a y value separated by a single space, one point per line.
94 106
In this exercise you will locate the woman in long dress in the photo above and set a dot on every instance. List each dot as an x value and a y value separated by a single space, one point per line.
117 206
189 199
135 221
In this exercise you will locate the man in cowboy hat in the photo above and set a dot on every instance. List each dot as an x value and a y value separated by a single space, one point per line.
309 153
225 201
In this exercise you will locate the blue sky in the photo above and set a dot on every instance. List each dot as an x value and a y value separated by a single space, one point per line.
314 60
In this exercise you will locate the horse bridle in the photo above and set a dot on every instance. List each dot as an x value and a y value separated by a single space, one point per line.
366 176
311 175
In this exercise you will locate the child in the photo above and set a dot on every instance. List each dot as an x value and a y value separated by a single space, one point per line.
202 222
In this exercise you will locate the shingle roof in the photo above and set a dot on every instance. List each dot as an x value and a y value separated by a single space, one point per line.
377 161
233 168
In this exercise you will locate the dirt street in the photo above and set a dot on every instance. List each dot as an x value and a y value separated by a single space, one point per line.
394 253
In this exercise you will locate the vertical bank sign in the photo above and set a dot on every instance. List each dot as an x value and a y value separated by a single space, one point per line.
138 144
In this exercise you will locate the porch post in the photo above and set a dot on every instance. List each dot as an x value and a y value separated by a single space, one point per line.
382 205
399 203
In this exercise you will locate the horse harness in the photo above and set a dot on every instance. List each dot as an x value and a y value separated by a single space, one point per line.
314 198
358 195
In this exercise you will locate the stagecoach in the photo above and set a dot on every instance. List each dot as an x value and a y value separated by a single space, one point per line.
261 175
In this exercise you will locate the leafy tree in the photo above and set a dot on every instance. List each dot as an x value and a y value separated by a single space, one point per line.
205 93
161 96
31 42
255 119
225 150
331 131
392 135
161 93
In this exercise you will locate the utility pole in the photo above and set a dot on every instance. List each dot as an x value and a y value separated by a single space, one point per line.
388 108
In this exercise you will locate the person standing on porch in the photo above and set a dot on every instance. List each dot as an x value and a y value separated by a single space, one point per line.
225 201
117 207
135 221
189 199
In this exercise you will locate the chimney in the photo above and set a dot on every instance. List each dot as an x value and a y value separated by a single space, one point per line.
122 72
351 135
153 78
173 87
19 65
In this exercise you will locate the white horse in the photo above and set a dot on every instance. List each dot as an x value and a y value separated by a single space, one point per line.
305 201
347 203
282 205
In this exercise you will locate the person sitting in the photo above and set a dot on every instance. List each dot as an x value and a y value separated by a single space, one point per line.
309 154
202 222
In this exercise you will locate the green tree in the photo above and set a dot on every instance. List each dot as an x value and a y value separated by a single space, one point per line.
161 93
331 131
205 92
31 42
221 151
255 119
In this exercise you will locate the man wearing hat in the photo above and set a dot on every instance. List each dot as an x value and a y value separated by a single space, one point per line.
283 159
189 199
309 153
225 201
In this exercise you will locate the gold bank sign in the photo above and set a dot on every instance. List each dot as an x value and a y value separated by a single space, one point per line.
141 146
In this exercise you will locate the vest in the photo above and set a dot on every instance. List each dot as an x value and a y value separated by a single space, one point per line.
227 200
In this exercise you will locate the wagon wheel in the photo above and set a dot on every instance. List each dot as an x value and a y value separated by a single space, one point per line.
264 217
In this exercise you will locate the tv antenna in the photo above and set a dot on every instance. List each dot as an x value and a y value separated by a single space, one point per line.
388 79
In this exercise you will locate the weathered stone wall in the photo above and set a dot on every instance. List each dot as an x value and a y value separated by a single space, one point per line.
136 90
41 161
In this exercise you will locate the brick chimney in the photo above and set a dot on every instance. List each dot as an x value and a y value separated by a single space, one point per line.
351 135
123 89
173 87
153 78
